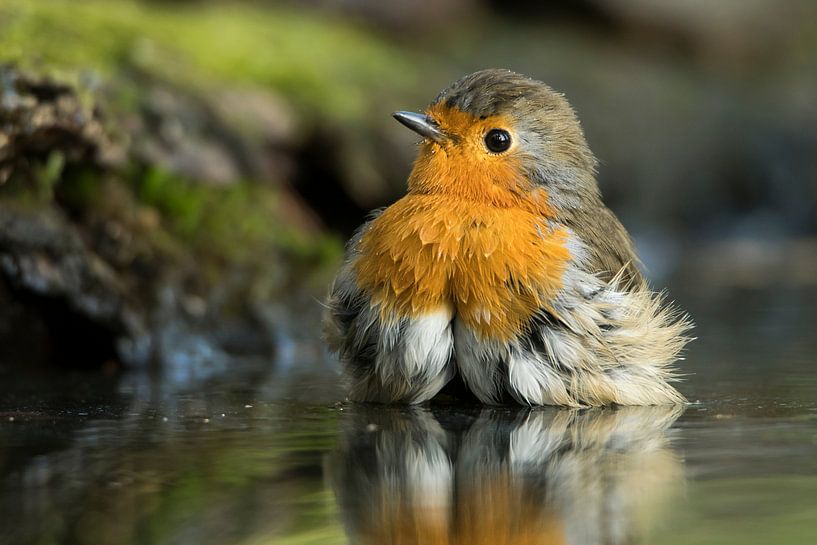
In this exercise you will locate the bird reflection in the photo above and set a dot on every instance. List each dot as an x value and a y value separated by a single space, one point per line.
504 477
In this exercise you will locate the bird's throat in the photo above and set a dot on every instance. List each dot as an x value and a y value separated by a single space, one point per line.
458 172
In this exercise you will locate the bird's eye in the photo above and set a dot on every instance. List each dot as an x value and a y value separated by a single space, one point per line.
497 140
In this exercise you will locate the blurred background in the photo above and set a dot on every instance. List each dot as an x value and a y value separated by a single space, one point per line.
169 170
177 181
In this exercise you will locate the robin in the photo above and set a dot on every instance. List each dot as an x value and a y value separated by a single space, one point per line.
502 265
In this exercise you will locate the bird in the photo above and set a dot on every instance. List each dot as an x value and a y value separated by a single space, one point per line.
501 267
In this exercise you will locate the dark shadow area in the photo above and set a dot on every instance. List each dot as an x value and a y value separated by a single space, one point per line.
39 331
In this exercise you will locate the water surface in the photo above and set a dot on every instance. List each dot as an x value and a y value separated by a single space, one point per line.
268 455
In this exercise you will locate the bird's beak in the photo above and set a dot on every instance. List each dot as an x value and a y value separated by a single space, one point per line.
422 125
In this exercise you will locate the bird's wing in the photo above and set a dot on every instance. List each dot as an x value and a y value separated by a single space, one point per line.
610 250
346 301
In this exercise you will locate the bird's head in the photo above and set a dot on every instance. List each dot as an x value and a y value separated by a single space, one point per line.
499 137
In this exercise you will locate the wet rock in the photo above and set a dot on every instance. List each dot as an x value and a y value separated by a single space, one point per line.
258 114
218 137
91 270
75 308
176 136
40 117
267 126
45 255
60 290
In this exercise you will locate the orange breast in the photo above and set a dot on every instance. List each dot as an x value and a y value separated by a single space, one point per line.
493 266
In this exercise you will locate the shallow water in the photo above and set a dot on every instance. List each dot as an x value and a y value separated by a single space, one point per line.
270 456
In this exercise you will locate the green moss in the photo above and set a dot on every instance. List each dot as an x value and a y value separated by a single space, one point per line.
239 223
37 186
326 66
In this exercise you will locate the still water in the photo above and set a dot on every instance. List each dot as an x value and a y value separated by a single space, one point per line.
270 457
